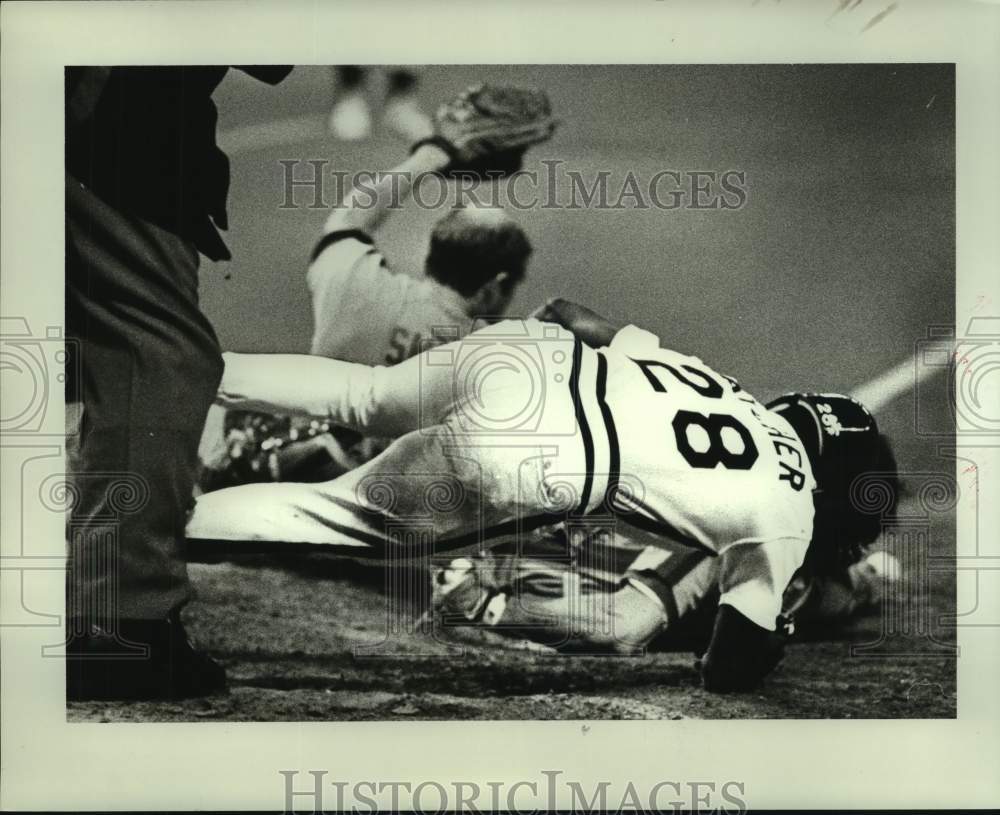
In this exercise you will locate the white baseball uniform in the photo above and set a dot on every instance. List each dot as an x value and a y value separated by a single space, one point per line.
521 426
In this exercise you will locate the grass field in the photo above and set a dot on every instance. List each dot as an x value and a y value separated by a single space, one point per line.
839 263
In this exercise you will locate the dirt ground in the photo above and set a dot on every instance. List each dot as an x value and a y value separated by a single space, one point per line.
288 631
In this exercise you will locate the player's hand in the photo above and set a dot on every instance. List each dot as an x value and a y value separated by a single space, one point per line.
587 325
564 312
549 311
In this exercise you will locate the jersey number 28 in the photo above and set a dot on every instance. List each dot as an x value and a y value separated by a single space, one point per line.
721 444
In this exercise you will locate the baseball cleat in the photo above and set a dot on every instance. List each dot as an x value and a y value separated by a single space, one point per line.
465 587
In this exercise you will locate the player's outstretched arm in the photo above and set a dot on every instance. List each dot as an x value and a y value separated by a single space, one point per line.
374 400
587 325
298 384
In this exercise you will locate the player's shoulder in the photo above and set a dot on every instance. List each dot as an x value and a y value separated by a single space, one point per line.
632 339
341 253
635 342
517 330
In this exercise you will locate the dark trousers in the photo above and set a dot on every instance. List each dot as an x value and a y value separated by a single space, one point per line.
149 366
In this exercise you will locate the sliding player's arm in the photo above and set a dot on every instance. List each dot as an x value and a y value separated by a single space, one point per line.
740 654
371 400
746 642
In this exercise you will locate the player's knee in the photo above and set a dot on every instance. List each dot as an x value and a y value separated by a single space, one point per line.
638 619
622 622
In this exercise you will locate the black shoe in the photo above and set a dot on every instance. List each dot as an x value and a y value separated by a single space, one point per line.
140 660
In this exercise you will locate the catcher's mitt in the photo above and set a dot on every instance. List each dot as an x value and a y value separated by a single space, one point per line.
488 128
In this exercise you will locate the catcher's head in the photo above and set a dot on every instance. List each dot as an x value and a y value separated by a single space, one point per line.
481 253
842 440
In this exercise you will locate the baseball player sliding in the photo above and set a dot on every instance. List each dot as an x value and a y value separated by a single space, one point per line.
642 436
566 419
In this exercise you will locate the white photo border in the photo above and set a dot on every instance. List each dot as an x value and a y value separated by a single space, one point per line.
50 764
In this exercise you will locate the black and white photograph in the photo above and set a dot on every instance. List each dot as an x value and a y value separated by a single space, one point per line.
531 391
396 392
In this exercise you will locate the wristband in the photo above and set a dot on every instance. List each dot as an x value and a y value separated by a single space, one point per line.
437 141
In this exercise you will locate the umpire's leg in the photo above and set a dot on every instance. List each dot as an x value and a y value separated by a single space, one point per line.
150 365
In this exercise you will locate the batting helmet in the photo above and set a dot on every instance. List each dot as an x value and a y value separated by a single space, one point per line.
843 443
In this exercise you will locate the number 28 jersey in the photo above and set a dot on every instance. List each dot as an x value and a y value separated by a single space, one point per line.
684 453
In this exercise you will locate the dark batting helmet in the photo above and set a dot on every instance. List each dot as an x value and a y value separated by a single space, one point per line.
844 445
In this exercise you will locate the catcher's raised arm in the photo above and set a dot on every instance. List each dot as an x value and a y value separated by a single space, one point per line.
487 129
